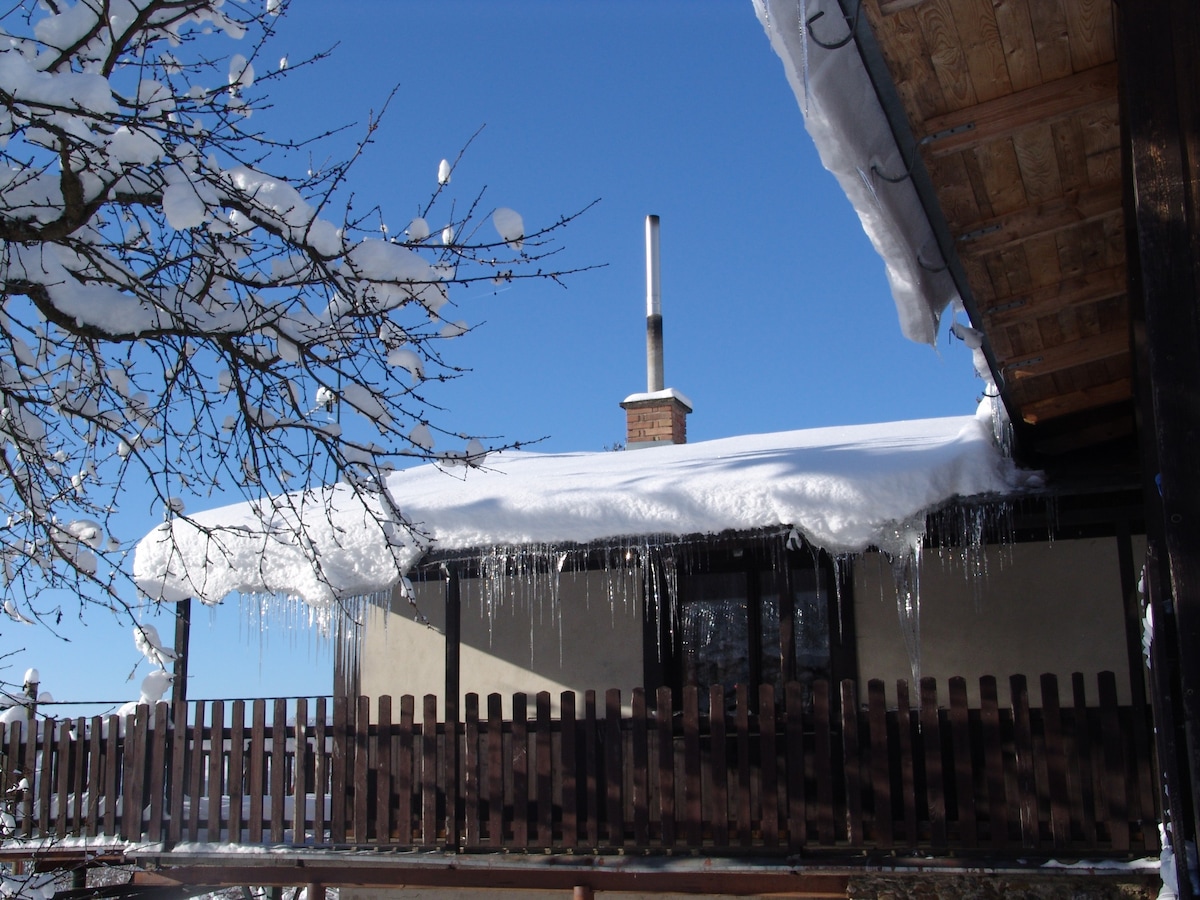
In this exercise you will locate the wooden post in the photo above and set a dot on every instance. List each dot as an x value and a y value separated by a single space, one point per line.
453 653
1160 68
453 639
183 634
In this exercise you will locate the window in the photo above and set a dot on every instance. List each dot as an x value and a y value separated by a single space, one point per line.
739 618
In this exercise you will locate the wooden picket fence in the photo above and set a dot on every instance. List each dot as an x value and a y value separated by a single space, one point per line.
811 770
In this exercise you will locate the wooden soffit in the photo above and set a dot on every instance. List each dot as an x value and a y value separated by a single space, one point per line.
1014 108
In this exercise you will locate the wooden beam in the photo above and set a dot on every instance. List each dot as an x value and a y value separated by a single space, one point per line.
1093 287
1066 356
741 880
1003 117
1040 220
891 7
1160 41
1076 401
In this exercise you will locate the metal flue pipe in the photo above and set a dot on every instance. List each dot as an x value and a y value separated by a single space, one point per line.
654 331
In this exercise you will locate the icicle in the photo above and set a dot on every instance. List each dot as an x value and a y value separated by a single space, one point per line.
906 570
803 27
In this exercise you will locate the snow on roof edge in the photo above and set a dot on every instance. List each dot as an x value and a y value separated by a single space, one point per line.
846 122
843 488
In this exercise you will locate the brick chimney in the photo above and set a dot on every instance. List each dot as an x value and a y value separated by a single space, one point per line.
658 416
655 418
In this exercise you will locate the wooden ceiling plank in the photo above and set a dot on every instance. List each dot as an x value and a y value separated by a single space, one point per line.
1090 30
956 195
979 279
903 45
1104 167
946 53
1002 177
1017 265
978 185
1073 209
1054 298
1055 359
1041 255
1004 116
1020 48
1114 241
1049 21
1038 162
1070 149
975 21
1084 398
1052 331
1070 255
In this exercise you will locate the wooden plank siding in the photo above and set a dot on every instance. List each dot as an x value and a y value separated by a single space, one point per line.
794 774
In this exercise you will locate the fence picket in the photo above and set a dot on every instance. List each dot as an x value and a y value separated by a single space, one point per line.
1116 793
692 807
215 774
1083 785
1027 798
823 763
881 778
852 761
641 769
569 765
908 788
428 763
742 724
794 756
1056 765
381 765
545 782
964 770
237 764
613 775
931 742
719 764
495 757
405 780
591 765
471 829
665 730
300 776
768 767
520 770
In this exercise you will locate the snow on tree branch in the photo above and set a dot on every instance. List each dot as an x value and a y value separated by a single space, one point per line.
178 314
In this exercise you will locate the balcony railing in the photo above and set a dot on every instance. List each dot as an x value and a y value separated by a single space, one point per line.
813 771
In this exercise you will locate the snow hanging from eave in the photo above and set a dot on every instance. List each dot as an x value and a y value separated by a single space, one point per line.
850 130
844 489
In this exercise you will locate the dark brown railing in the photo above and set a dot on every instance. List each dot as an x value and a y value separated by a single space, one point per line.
813 772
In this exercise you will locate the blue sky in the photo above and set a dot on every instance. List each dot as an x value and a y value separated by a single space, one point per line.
777 313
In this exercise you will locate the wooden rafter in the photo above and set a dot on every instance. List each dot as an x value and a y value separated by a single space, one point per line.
1006 115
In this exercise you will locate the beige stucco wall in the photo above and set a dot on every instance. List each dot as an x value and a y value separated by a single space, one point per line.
590 639
1042 607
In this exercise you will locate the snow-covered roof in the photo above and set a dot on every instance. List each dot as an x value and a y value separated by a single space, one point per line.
852 135
843 488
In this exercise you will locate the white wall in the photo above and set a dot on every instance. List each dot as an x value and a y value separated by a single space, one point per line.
591 639
1042 607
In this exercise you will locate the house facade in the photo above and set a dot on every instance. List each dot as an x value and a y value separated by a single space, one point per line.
1028 167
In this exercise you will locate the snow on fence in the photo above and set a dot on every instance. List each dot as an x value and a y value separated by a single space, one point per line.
803 768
